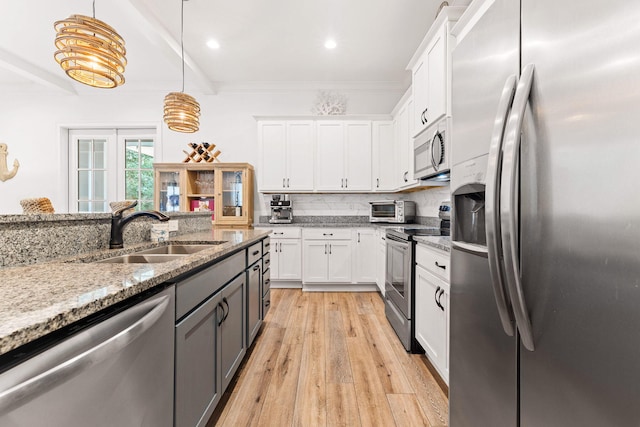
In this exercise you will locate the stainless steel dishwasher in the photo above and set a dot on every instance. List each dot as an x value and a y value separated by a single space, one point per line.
118 372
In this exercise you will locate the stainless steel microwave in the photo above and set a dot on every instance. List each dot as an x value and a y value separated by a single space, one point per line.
431 150
394 211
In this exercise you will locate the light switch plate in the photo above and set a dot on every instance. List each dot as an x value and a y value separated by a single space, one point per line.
173 225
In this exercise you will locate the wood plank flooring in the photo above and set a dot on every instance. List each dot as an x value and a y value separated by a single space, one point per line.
330 359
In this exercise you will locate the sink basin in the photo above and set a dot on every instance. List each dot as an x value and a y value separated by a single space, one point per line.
141 259
178 249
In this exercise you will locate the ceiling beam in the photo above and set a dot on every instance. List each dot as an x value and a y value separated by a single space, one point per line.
14 63
146 21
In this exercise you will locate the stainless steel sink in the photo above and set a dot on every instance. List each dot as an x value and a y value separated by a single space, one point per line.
141 259
178 249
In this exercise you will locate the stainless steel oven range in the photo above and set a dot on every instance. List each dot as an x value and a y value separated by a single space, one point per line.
399 282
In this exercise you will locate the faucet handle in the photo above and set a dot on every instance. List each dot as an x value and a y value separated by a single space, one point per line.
119 211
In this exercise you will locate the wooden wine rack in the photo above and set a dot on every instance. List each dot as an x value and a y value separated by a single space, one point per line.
202 152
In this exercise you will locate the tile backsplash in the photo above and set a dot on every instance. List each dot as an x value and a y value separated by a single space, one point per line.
427 202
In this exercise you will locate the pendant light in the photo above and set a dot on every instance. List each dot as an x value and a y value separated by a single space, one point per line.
181 111
90 51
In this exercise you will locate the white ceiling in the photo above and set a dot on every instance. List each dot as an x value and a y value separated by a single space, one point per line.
263 43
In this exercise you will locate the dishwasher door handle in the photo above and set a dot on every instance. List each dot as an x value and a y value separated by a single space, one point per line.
44 378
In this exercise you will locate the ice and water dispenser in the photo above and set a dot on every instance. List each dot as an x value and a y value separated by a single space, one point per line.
468 212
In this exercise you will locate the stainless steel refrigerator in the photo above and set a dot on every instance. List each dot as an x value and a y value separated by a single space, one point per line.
545 281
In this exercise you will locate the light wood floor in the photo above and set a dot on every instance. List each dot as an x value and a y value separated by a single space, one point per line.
331 359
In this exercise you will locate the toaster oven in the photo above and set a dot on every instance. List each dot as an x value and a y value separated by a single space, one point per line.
393 211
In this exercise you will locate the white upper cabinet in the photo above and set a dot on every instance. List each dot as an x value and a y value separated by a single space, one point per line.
437 84
431 72
330 156
358 156
287 161
273 147
343 156
404 146
300 162
385 160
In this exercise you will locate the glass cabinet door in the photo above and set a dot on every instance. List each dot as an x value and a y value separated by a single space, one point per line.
232 189
169 191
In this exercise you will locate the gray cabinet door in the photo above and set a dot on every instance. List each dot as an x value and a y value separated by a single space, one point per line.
232 328
198 383
254 318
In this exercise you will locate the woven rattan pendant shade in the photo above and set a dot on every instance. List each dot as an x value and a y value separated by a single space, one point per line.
181 112
90 51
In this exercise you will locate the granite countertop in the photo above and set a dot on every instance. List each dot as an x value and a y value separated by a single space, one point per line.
41 298
330 225
439 242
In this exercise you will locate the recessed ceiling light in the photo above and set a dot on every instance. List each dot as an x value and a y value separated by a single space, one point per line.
330 44
213 44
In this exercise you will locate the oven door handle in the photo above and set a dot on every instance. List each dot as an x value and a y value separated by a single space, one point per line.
396 239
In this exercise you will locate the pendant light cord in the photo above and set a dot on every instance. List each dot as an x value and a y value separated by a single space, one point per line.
94 9
181 39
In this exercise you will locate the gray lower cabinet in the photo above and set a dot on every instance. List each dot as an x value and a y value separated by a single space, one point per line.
232 329
254 273
198 384
210 339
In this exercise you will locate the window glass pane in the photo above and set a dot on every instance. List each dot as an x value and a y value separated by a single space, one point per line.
146 205
132 154
84 153
146 188
83 207
100 207
146 154
99 153
132 185
84 178
100 185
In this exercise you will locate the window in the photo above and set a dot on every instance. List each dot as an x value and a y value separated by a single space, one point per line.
107 165
138 171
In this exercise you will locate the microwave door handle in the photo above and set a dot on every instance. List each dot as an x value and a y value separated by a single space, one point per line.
492 207
509 205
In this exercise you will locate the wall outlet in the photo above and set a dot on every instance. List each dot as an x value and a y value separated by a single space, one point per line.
173 225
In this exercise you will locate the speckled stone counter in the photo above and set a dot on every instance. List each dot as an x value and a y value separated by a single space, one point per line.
42 298
343 221
32 239
439 242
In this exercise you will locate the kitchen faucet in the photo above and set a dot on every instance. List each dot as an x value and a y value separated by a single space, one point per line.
118 222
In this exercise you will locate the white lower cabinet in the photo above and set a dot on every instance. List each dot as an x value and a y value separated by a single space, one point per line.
432 307
286 259
286 254
326 255
327 261
364 255
381 259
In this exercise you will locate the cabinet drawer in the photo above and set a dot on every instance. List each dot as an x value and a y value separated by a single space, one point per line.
266 304
266 280
266 262
434 261
327 233
266 245
287 233
191 291
254 253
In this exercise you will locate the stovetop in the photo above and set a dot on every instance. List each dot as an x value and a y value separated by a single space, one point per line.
408 231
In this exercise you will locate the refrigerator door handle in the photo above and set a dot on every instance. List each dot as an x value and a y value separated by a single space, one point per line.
509 205
492 207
